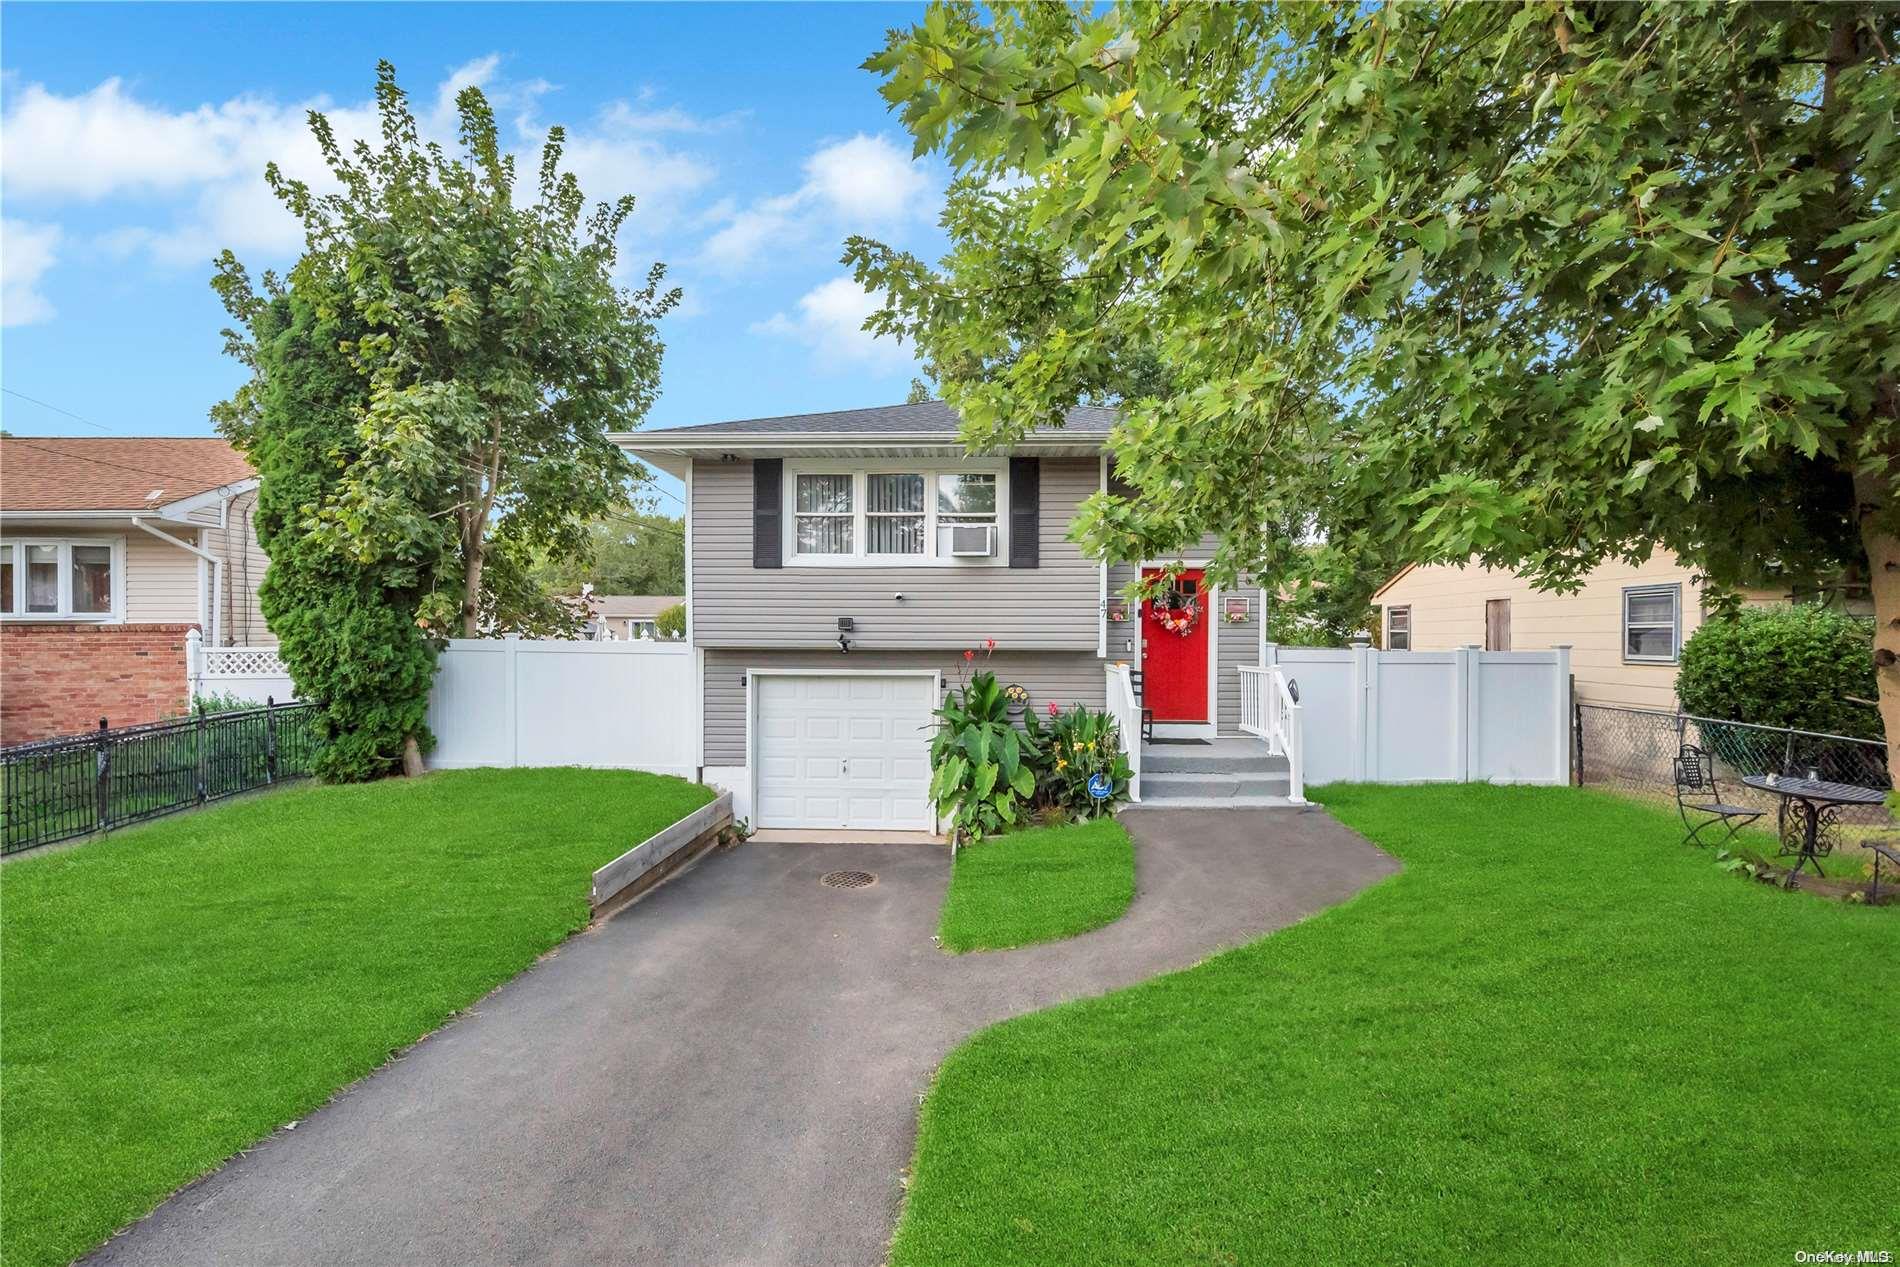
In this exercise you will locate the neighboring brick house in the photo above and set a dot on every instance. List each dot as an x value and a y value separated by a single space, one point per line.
111 551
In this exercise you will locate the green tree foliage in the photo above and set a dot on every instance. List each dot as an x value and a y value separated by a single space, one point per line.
1800 665
1543 283
346 627
671 622
628 554
497 352
919 392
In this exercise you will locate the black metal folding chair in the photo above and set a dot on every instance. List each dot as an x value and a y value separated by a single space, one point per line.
1697 793
1879 851
1141 701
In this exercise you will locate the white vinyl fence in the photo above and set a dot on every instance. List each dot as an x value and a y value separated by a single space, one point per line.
522 702
252 673
1431 716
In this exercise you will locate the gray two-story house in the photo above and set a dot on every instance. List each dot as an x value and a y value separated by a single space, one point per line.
840 566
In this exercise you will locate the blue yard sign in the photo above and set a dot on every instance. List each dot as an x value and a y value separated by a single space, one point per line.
1100 787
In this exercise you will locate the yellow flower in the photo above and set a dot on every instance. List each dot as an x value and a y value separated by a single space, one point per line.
1061 764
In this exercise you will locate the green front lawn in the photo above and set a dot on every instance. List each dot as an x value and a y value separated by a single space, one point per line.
1557 1036
174 992
1038 885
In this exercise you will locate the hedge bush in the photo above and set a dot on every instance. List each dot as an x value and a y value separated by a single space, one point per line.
1801 666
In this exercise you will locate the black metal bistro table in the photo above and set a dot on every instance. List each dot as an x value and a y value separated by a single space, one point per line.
1813 802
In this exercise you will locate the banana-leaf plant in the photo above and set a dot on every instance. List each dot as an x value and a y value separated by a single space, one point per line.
983 768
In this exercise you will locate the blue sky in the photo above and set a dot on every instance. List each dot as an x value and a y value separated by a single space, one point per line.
133 140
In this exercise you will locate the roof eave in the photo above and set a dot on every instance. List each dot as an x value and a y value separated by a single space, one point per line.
175 510
763 443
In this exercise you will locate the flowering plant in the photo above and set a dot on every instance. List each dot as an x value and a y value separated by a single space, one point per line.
1177 613
1075 746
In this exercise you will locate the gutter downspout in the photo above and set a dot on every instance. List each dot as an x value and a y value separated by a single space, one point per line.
217 572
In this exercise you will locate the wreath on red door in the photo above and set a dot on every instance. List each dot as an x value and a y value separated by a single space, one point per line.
1176 612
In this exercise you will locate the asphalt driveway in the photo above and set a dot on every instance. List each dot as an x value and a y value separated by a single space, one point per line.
727 1073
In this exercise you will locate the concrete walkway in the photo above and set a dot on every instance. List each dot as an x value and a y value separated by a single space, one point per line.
728 1073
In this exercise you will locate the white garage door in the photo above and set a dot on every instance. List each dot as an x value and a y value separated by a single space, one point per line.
844 751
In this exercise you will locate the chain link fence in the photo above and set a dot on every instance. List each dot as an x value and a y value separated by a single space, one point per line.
1632 751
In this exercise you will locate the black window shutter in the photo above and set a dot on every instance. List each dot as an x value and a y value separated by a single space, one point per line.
768 534
1025 512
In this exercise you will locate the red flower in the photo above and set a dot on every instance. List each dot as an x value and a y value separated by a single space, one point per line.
969 655
989 644
1053 710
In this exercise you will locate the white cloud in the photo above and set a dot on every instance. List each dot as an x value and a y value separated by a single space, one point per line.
26 251
850 186
196 176
866 179
749 232
830 321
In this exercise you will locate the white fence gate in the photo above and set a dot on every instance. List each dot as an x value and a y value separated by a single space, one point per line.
1431 716
522 702
252 673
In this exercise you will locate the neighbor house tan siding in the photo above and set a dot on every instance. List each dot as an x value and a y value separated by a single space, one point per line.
244 564
161 581
1447 604
1053 606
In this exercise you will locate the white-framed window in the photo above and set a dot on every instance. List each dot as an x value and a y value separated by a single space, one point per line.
1398 629
1652 623
903 515
62 578
965 500
824 517
894 513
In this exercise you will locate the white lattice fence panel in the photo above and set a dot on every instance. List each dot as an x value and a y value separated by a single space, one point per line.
243 662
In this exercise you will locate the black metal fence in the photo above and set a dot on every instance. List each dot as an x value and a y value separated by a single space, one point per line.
1632 750
61 788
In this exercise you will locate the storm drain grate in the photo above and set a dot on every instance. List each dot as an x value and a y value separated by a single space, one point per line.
848 879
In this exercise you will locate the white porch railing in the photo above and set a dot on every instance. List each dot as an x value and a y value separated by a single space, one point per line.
1269 709
1254 689
1126 710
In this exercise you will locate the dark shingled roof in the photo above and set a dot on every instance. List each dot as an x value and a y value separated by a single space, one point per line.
930 417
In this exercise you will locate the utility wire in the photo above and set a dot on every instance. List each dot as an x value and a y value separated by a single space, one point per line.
55 408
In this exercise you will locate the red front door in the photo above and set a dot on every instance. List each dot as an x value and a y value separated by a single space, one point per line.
1174 664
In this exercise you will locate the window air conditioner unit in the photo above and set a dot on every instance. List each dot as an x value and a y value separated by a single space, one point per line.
972 541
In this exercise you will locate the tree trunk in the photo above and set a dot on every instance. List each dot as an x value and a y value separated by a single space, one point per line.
472 585
412 766
1883 576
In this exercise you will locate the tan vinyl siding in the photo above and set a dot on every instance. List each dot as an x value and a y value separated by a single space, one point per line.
161 581
1064 677
1448 601
244 564
1050 607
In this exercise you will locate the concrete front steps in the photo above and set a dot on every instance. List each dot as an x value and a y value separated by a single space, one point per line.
1227 773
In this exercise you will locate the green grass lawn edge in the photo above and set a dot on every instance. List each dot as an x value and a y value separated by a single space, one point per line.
1042 884
1556 1036
174 992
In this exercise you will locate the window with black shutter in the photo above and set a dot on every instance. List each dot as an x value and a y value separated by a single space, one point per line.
768 534
1025 512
